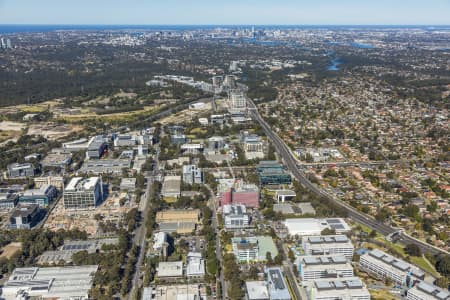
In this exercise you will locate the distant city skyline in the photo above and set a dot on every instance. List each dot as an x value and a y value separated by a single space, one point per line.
231 12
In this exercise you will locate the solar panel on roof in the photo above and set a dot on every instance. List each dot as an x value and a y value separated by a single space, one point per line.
401 265
354 284
333 221
339 259
322 285
337 226
341 238
310 260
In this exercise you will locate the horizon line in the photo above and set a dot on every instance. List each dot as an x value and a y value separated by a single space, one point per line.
111 24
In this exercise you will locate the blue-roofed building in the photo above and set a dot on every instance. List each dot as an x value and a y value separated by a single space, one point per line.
272 173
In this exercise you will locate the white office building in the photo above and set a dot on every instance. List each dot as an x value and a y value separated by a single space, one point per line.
338 289
83 193
382 265
309 226
276 284
328 245
195 265
425 291
317 267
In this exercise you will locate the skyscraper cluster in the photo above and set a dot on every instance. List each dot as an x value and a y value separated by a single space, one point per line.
5 43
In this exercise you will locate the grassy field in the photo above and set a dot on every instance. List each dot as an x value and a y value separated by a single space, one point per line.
9 250
114 117
382 295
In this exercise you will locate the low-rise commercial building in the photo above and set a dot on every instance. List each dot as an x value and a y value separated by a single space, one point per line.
384 266
256 290
284 195
42 196
192 174
8 200
51 283
236 216
180 221
328 245
106 166
170 269
317 267
83 193
425 291
254 248
338 288
96 147
195 265
128 184
58 158
276 284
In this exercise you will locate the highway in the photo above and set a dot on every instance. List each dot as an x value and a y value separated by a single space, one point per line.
353 213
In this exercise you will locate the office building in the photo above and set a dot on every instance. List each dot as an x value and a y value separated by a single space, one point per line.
256 290
25 216
237 101
96 146
284 195
82 193
181 221
216 144
235 216
56 181
8 200
276 284
179 292
105 166
235 191
328 245
51 283
426 291
195 265
128 184
384 266
178 138
17 170
272 173
58 158
337 289
2 43
310 226
254 248
327 266
42 196
171 187
192 174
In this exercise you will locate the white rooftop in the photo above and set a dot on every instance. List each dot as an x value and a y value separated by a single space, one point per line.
256 290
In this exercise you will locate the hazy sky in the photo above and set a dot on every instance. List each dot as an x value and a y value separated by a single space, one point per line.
180 12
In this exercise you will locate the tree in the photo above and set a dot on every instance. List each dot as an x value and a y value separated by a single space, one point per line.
328 231
442 282
413 250
382 215
443 265
373 234
269 258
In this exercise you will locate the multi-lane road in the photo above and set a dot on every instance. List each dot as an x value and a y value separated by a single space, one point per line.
291 163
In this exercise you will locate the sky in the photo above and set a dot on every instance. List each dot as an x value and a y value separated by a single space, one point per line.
226 12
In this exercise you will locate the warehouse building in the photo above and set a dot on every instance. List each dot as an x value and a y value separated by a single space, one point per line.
181 221
317 267
328 245
384 266
276 284
171 188
341 288
310 226
51 283
425 291
83 193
